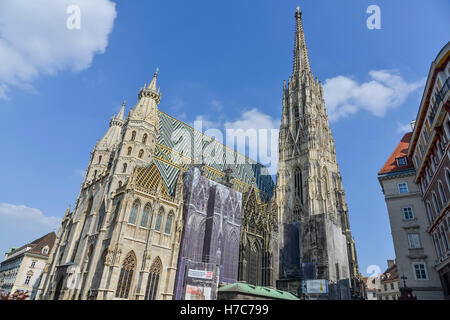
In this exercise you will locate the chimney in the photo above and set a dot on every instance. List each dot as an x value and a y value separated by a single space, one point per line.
390 263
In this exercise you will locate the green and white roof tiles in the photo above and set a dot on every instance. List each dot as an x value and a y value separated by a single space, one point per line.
178 144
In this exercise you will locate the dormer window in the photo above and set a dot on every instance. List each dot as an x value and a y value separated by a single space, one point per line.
45 250
401 162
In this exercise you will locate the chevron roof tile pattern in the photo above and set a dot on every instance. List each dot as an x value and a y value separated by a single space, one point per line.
178 144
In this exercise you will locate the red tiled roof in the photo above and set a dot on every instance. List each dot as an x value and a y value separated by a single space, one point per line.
38 244
390 274
399 152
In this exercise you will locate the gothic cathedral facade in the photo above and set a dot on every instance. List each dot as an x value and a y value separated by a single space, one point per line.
142 204
123 238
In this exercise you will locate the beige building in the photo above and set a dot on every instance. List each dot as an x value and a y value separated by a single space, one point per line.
371 286
22 267
388 288
407 216
430 151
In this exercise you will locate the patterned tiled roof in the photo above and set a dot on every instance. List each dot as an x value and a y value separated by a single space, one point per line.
175 151
400 151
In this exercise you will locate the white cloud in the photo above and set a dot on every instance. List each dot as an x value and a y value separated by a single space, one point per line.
386 90
257 132
265 148
35 40
20 218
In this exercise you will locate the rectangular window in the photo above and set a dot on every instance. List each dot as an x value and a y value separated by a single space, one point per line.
33 264
444 238
27 280
408 213
392 286
420 271
401 162
403 187
414 241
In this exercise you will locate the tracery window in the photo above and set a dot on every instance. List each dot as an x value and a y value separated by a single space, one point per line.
133 213
169 223
253 264
145 215
153 280
126 276
159 220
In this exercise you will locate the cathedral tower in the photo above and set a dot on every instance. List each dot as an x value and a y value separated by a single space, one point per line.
310 195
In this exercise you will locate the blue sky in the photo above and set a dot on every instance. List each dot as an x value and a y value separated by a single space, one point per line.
222 61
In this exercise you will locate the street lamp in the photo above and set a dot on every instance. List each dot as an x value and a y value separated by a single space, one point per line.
405 292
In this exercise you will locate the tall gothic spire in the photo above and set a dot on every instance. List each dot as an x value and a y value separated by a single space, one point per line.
301 59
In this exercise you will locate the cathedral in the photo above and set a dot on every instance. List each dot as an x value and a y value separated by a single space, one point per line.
139 206
165 212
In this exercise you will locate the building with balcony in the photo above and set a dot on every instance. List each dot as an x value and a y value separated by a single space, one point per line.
408 220
22 267
430 151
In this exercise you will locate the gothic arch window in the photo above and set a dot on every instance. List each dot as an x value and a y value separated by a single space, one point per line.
133 135
95 173
159 219
116 211
144 138
298 184
129 151
99 159
442 193
169 223
101 216
253 268
89 206
134 212
124 168
153 280
126 276
145 215
120 184
141 154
